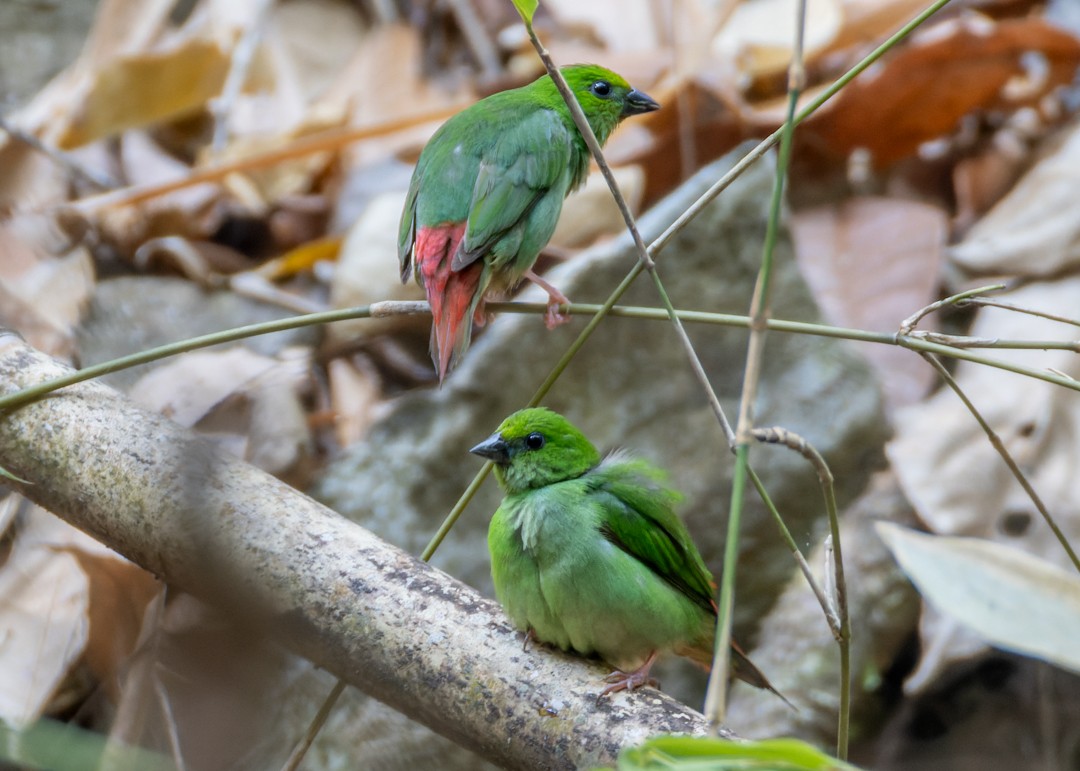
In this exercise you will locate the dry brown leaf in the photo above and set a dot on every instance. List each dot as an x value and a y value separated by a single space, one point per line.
135 71
191 211
29 180
981 180
203 687
871 263
118 595
44 610
42 294
303 51
278 433
147 88
392 48
630 25
313 41
759 36
248 403
204 262
188 387
922 91
866 21
123 27
1035 229
260 187
302 259
354 395
120 27
43 606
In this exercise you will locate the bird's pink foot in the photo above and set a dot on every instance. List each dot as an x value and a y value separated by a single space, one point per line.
553 317
530 636
628 681
480 315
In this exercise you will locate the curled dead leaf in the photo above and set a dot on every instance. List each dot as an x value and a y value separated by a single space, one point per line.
923 91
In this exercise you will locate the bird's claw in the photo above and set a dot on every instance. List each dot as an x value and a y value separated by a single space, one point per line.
481 315
553 316
627 681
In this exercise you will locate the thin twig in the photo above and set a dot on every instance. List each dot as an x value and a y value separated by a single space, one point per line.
66 161
595 312
298 753
987 302
716 695
908 324
752 157
27 395
999 446
840 623
326 141
242 56
830 615
644 259
964 341
477 38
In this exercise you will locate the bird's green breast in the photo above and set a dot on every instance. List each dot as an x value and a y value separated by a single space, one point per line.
557 574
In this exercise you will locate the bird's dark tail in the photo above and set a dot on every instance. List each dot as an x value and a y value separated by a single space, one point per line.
744 669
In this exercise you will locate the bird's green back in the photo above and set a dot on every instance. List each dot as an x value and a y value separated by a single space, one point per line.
496 161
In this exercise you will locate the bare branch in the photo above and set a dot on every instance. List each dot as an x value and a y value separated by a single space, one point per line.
356 606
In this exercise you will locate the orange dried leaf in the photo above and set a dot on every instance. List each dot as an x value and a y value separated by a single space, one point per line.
146 88
119 593
923 91
302 259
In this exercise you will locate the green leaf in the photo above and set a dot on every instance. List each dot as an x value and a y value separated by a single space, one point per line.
48 744
8 475
526 8
706 753
1012 599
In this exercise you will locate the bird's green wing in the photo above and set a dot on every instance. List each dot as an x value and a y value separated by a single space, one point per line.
639 517
529 160
407 229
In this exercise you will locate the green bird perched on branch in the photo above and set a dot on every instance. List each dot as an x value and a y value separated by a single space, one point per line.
487 192
588 554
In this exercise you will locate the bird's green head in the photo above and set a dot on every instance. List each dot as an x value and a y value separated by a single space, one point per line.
605 97
537 447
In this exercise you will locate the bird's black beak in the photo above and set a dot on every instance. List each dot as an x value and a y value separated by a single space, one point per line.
638 102
494 448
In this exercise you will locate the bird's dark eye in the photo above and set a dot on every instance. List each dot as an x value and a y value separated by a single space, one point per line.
534 441
601 88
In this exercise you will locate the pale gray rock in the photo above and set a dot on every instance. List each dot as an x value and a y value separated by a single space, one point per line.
631 386
133 313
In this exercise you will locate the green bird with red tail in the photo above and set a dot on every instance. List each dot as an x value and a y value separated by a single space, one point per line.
487 192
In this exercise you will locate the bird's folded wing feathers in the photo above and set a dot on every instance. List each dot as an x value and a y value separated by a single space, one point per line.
639 518
527 162
407 232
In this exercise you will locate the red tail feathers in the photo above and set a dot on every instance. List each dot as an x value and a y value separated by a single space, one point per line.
451 294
